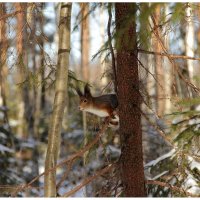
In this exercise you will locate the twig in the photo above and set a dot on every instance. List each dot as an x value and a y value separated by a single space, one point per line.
162 134
70 159
64 175
11 14
174 188
171 59
173 56
88 180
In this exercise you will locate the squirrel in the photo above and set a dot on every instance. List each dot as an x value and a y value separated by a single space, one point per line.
102 106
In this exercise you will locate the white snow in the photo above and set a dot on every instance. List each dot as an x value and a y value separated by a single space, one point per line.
2 135
159 175
5 149
193 163
154 162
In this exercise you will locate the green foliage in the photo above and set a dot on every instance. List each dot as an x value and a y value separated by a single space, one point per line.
178 12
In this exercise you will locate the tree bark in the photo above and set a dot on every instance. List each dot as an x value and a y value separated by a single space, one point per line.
24 101
103 55
59 100
3 58
189 45
85 66
160 86
131 162
168 68
85 56
85 41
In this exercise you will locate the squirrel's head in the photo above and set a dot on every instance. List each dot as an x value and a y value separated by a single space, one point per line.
85 98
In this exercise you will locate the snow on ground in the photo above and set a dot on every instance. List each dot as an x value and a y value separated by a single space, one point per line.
5 149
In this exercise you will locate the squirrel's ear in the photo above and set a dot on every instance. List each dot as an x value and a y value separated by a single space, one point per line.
87 90
80 94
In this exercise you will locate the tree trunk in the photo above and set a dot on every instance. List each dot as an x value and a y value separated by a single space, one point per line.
59 100
167 68
24 106
189 44
85 65
103 55
131 165
160 87
85 41
3 58
85 54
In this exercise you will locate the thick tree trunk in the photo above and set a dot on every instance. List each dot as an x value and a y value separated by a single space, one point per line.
59 100
132 171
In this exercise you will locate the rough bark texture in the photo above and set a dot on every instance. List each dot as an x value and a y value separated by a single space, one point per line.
132 172
59 100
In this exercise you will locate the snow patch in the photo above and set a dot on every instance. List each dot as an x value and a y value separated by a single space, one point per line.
154 162
5 149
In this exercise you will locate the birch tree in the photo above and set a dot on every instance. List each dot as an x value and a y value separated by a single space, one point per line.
189 41
59 99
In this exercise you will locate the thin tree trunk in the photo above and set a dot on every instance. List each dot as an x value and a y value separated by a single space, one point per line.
131 162
189 44
85 41
3 58
160 88
59 100
168 69
24 106
85 64
42 65
85 55
103 55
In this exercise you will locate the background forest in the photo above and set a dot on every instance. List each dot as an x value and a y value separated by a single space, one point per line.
146 53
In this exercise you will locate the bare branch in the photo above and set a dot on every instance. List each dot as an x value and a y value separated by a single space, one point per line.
174 188
70 159
173 56
88 180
